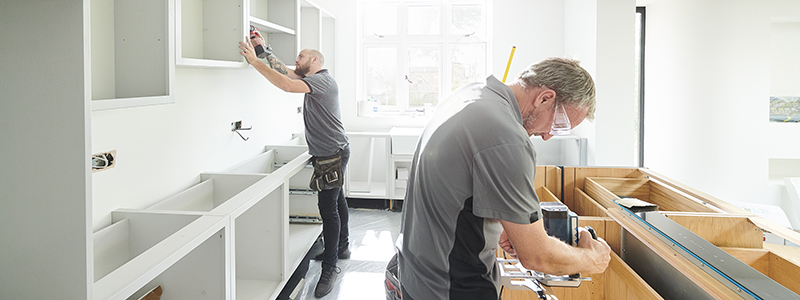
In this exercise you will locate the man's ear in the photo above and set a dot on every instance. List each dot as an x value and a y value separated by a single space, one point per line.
545 97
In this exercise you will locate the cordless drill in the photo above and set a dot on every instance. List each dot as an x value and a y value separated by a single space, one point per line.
261 50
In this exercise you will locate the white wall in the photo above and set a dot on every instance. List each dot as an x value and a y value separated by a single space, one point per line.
581 43
707 90
784 146
616 82
601 35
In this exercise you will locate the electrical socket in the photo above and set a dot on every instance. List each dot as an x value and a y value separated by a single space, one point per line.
104 160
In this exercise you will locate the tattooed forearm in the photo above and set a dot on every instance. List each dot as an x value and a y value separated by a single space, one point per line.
276 64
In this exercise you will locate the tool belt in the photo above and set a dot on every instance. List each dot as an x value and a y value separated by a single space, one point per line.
327 172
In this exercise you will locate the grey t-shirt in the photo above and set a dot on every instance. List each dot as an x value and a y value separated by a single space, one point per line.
474 165
325 133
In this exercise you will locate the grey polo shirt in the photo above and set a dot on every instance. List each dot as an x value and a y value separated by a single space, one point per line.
325 133
474 165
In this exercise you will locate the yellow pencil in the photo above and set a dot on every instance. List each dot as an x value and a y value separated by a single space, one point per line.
509 62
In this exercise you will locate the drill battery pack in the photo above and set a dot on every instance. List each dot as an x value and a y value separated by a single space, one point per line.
560 222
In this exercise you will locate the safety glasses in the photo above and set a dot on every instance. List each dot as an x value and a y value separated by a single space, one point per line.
561 125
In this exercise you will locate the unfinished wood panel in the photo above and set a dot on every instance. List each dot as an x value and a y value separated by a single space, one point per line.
568 186
545 195
584 205
593 289
626 187
613 235
541 177
784 272
574 177
756 258
600 194
703 280
553 180
518 295
621 282
598 223
721 230
725 206
668 199
585 172
792 254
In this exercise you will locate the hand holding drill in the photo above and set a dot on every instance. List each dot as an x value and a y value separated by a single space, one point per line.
257 40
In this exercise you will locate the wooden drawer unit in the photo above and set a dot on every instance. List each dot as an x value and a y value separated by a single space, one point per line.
644 266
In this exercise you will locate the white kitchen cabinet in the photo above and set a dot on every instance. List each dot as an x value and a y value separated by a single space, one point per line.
208 31
226 237
132 61
277 20
380 162
185 253
367 171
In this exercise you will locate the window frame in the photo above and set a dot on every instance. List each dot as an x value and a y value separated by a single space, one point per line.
445 40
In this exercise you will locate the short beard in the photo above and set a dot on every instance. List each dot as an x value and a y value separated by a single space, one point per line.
302 70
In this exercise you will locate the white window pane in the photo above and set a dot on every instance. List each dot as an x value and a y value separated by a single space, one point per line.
468 64
423 77
381 75
467 19
423 20
380 20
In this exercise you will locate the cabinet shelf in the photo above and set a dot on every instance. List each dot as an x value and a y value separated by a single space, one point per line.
301 237
269 27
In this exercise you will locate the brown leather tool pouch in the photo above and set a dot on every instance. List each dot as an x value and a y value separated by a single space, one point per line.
327 172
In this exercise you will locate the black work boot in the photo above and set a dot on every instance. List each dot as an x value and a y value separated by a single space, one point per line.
326 281
342 254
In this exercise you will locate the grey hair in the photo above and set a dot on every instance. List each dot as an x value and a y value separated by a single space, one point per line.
573 84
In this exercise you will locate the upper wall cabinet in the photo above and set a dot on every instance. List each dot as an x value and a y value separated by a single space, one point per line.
277 21
131 53
208 32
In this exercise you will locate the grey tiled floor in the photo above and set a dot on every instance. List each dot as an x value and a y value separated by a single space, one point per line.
372 237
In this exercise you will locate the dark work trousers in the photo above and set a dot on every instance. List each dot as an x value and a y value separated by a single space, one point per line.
333 210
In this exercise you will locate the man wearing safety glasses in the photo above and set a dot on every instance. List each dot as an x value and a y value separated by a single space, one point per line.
470 188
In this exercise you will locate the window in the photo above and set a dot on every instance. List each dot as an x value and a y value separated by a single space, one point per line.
416 52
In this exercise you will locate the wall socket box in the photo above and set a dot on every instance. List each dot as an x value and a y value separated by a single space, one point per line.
104 160
236 125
